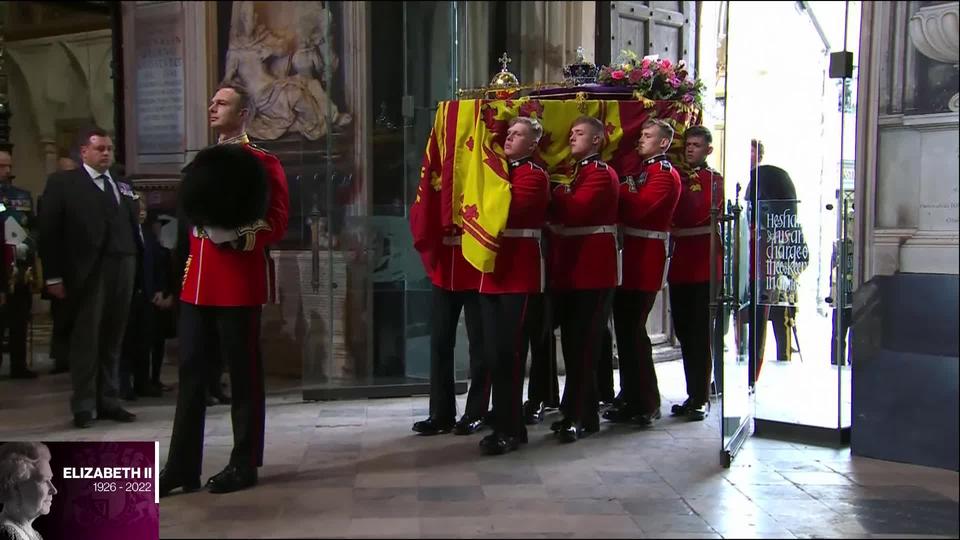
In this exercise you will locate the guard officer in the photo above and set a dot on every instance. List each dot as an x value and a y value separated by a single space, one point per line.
585 268
455 285
224 288
647 202
16 212
516 284
689 275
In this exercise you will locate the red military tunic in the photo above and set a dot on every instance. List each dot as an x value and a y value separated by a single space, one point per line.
224 276
692 228
646 213
452 271
584 216
519 266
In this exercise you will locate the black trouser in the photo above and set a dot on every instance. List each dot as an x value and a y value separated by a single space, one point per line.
605 368
690 311
544 384
134 364
158 346
443 340
846 316
505 319
638 377
237 332
757 318
583 315
14 317
100 311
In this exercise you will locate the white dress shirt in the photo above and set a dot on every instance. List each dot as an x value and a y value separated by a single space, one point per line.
99 181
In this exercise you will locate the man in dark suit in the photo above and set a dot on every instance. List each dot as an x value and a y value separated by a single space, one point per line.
88 246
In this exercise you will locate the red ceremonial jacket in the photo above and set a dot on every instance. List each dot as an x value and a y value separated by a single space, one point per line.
452 271
519 266
581 259
439 247
224 276
692 228
646 213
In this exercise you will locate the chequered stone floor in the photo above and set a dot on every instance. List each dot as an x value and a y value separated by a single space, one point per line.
354 469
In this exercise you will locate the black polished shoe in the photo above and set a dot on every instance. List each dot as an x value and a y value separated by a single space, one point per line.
533 412
168 481
233 478
467 425
698 413
431 426
680 409
560 425
118 415
569 434
496 444
23 374
646 419
83 419
619 414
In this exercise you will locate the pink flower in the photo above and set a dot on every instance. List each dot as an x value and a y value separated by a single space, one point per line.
674 82
645 64
687 98
646 73
635 75
618 74
665 64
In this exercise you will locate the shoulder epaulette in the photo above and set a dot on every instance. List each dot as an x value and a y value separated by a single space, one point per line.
666 165
536 167
601 164
260 149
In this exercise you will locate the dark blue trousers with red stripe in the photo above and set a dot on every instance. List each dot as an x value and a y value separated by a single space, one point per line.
506 327
583 319
236 332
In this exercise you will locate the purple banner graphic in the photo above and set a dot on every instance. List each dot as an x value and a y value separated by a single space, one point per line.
79 490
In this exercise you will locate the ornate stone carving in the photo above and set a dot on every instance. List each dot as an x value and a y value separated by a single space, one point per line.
934 31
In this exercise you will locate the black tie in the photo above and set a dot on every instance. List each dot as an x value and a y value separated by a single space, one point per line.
108 191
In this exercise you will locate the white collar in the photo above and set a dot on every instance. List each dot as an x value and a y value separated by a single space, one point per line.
94 174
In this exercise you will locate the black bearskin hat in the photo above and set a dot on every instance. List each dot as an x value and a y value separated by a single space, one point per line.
224 186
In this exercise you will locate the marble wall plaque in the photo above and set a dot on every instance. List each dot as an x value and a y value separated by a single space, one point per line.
939 193
159 96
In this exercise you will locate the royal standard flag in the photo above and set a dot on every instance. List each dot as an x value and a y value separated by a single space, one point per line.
481 181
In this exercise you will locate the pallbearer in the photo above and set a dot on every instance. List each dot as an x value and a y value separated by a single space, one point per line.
514 289
584 272
455 284
689 275
647 202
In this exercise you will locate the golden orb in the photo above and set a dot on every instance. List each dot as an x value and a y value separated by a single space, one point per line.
504 79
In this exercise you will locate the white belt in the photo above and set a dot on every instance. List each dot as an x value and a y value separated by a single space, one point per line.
584 231
452 240
692 231
654 235
522 233
644 233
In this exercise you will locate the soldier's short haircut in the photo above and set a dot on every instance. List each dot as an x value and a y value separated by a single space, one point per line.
755 143
595 124
699 131
666 130
245 100
83 138
535 127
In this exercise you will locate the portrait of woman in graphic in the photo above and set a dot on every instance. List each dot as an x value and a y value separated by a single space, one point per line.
26 488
